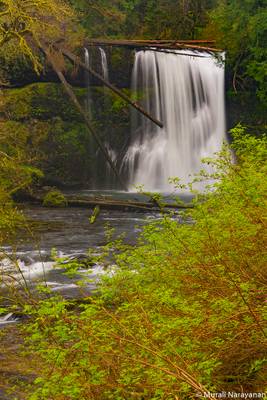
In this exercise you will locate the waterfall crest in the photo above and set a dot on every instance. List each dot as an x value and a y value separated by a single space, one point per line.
187 94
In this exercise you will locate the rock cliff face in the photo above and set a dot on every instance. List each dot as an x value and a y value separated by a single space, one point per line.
19 72
45 118
38 108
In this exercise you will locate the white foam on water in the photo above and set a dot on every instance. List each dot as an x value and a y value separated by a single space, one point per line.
18 271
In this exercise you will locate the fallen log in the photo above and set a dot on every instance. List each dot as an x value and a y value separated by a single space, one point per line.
125 205
167 45
75 59
112 204
159 41
76 103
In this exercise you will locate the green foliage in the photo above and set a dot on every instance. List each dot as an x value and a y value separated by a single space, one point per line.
54 198
45 123
10 217
101 17
94 215
24 24
14 67
185 311
42 101
240 27
147 19
51 130
17 172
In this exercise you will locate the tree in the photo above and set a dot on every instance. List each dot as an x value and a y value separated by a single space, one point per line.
240 27
26 23
101 18
24 26
17 171
151 19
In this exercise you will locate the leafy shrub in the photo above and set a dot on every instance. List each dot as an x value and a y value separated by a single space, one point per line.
185 313
54 198
17 172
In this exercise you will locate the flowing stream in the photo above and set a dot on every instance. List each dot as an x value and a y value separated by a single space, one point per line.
68 231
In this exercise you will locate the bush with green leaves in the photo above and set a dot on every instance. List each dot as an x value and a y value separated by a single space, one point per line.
17 172
186 310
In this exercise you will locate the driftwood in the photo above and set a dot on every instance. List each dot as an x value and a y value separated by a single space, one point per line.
192 45
77 61
76 103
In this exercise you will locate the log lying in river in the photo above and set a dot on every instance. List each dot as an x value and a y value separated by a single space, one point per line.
118 204
126 205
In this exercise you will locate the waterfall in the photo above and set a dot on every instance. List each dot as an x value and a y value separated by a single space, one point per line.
109 180
88 107
104 64
88 101
185 92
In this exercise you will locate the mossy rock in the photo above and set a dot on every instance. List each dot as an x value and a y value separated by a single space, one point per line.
54 198
41 118
41 101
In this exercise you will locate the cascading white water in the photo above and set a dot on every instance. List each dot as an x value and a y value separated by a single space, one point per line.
104 64
109 178
185 92
88 108
88 101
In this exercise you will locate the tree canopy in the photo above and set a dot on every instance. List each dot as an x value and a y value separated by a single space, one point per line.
25 23
240 27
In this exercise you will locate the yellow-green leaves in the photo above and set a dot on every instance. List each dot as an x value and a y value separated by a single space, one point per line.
94 215
28 23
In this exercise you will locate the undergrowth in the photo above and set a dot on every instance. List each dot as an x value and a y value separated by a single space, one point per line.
184 314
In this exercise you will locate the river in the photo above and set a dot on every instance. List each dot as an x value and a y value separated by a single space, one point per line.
68 233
